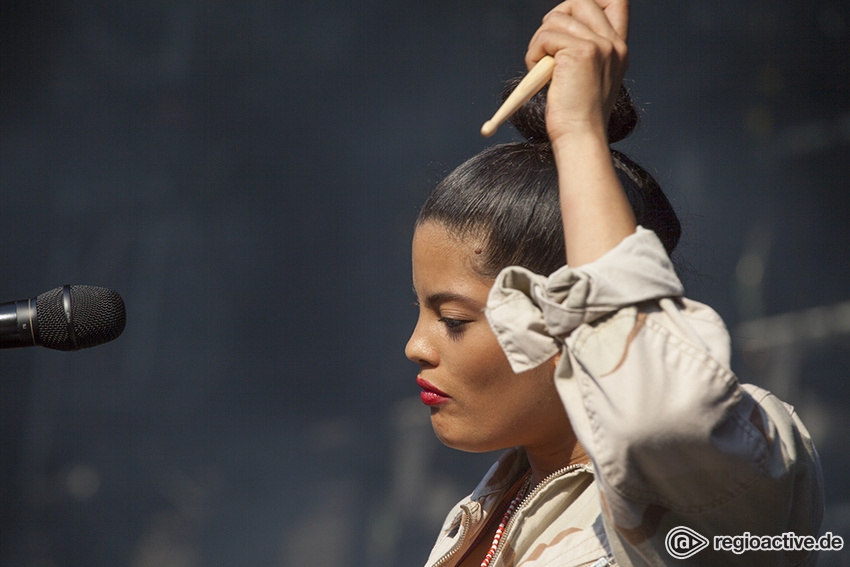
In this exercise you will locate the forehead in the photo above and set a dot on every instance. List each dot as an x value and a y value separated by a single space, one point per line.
445 261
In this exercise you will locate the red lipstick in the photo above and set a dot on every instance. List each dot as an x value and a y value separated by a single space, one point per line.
431 396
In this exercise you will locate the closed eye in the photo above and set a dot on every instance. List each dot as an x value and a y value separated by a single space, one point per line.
455 327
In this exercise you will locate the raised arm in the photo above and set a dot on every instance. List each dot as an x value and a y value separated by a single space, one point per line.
587 38
645 374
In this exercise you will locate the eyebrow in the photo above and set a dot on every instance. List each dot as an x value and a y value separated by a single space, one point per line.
445 296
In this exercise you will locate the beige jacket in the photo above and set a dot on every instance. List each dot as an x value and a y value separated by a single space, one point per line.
674 438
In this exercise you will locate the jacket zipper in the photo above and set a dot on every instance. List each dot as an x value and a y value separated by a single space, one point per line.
467 514
465 528
525 500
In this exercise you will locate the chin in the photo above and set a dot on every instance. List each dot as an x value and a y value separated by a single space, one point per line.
469 444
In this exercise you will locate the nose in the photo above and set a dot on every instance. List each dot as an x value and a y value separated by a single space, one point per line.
418 348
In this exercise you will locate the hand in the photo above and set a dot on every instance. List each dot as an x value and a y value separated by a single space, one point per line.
587 38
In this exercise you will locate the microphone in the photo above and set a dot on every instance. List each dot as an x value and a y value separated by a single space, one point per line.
70 317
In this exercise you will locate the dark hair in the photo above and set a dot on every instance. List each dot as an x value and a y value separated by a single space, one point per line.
507 195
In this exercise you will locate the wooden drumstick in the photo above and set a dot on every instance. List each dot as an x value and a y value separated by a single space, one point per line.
527 88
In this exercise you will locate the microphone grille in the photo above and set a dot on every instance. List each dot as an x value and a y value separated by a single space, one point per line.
97 316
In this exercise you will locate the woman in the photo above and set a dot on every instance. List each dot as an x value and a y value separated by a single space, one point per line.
610 391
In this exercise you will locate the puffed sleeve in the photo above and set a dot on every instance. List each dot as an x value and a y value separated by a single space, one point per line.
674 438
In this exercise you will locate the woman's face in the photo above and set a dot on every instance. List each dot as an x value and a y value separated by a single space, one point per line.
477 402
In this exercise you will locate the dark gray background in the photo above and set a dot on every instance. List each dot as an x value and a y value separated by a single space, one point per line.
246 175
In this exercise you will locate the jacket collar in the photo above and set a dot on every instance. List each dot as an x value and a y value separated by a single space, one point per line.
511 464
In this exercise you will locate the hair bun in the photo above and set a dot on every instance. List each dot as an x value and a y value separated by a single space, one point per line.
624 117
530 119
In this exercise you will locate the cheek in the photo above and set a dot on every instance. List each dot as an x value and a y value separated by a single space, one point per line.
484 365
538 388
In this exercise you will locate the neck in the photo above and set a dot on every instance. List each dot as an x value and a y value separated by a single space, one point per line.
545 461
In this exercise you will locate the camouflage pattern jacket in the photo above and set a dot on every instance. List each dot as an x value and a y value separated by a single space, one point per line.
674 438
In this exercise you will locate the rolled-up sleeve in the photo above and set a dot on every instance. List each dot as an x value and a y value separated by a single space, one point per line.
644 375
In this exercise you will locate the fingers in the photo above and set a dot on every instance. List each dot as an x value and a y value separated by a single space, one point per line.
617 12
604 22
564 32
591 12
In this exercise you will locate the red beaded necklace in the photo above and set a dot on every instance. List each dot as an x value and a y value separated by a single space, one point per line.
508 513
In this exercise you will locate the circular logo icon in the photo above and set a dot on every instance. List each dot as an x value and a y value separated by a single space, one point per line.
683 542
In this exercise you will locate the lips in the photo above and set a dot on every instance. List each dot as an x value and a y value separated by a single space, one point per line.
430 395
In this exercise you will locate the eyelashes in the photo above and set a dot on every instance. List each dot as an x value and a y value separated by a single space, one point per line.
455 327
